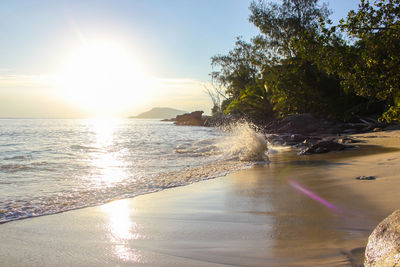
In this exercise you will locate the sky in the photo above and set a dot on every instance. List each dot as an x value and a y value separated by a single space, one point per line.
81 58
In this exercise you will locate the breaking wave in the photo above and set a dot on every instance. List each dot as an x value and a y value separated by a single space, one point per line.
149 158
242 141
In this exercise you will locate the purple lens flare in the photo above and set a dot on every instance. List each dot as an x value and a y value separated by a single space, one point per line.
304 190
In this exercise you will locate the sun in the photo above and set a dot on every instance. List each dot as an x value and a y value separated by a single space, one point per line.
103 78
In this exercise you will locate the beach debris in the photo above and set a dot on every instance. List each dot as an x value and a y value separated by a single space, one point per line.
383 248
362 177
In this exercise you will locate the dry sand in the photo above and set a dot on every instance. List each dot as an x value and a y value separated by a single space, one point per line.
253 218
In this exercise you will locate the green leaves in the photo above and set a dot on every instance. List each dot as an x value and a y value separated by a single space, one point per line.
308 67
375 72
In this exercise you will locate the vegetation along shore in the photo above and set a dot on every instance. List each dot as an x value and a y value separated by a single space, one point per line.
308 83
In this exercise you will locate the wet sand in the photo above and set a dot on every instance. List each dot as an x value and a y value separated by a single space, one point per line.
255 217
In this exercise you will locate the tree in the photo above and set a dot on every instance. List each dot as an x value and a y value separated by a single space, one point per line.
299 63
240 73
282 25
292 35
374 72
237 70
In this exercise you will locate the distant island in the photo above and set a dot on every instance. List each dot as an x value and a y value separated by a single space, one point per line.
159 113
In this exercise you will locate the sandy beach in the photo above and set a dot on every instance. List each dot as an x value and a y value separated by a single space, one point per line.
295 211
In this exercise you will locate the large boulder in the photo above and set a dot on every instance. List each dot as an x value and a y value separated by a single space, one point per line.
190 119
383 248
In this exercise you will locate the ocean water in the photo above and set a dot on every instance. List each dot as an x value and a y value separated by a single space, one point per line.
53 165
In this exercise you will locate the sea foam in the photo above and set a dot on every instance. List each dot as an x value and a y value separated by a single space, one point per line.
243 141
135 158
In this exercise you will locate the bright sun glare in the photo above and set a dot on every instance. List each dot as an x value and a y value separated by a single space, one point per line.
103 78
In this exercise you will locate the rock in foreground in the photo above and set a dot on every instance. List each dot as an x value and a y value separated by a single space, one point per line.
383 248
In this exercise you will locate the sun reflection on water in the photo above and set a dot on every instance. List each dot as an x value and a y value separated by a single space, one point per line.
107 161
122 229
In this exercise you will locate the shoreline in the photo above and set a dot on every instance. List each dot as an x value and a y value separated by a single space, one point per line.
251 217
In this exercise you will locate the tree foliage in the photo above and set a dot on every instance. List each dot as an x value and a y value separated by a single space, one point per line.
282 25
300 63
375 69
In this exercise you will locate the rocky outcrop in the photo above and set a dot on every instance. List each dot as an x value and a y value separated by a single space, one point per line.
190 119
383 248
196 118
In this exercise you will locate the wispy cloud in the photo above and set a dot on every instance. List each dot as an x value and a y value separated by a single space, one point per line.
20 81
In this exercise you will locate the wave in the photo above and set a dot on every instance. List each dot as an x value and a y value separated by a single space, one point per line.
242 141
12 168
65 201
34 166
240 146
18 157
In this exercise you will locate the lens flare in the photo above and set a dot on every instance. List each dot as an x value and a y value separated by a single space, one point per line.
304 190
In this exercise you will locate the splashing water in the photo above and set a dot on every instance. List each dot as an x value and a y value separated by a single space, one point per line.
241 141
244 142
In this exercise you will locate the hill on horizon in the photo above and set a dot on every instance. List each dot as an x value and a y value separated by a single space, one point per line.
159 113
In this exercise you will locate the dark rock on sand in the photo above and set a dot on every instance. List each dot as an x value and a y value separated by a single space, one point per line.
324 146
366 177
292 139
383 248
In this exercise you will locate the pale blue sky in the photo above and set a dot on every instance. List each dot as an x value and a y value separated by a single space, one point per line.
173 38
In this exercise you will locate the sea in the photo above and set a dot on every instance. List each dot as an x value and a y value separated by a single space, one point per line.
49 166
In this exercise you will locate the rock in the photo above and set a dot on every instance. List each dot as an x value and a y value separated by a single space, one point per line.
366 177
324 146
190 119
220 119
306 124
377 129
298 138
383 248
350 131
347 140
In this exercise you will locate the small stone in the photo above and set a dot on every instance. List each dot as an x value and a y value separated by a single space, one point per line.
377 129
366 177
